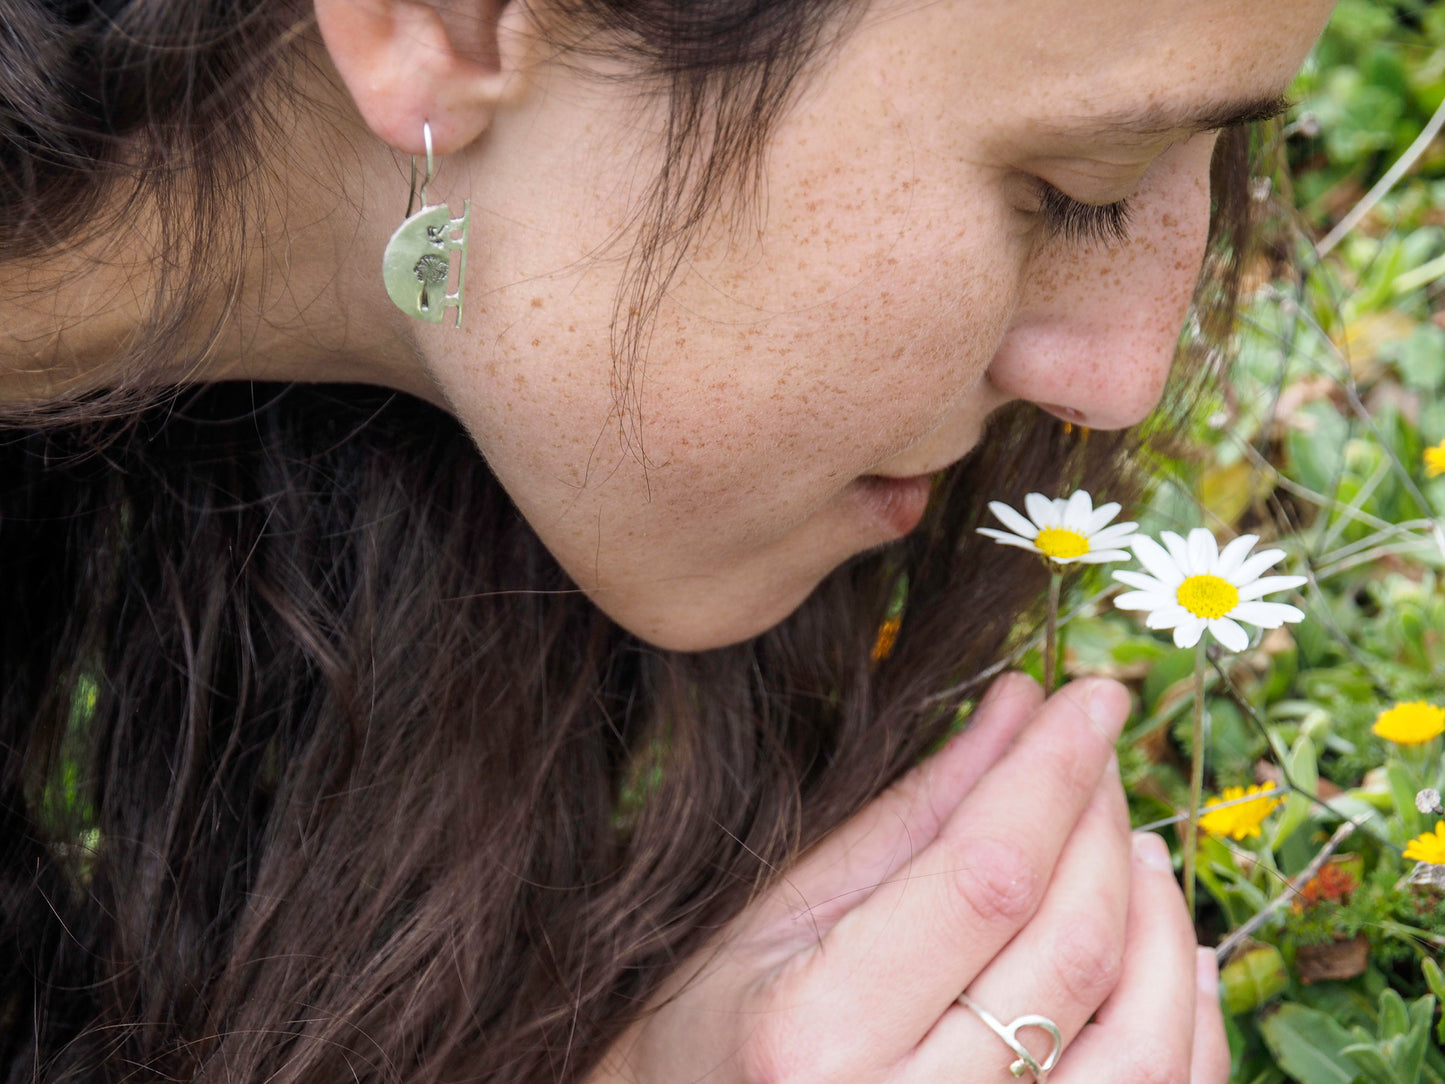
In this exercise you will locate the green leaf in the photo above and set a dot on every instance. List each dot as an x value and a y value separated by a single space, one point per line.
1411 1059
1343 1002
1373 1064
1411 622
1175 666
1420 359
1252 977
1362 806
1392 1015
1316 449
1137 650
1402 790
1304 773
1436 980
1234 742
1309 1046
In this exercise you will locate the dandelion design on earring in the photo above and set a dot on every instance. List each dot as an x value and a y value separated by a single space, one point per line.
419 256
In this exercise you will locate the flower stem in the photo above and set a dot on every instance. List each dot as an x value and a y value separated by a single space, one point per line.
1051 631
1196 778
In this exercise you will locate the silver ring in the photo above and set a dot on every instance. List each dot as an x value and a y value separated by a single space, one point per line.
1009 1033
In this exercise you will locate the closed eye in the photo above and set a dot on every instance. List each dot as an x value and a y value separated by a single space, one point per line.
1082 223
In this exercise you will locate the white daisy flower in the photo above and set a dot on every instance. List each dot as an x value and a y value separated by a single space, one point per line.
1194 586
1063 530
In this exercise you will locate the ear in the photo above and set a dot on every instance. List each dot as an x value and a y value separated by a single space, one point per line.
409 62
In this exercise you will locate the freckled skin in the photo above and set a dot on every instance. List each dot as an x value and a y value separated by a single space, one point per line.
891 288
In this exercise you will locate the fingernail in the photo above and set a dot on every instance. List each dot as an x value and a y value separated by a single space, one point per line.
1206 972
1152 852
1107 705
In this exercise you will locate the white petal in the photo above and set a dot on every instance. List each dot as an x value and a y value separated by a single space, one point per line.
1268 584
1229 634
1142 600
1141 581
1101 516
1179 551
1203 551
1041 510
1121 534
1267 615
1004 539
1254 566
1078 510
1169 615
1233 555
1155 560
1100 557
1188 634
1012 520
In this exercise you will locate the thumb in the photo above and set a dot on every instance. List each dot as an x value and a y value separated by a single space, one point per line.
842 870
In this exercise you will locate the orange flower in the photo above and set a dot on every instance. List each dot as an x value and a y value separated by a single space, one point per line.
887 634
1334 884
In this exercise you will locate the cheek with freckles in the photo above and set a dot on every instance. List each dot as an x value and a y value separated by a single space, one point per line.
811 398
819 356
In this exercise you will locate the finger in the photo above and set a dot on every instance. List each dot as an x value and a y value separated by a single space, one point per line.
1211 1062
1062 965
874 844
1145 1030
920 939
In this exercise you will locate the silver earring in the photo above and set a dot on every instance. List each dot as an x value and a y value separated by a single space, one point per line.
418 258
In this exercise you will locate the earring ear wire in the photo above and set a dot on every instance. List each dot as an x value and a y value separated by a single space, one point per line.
418 259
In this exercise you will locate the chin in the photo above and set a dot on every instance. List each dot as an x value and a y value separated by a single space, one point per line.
708 623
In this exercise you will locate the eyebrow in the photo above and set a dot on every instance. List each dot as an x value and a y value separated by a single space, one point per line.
1156 120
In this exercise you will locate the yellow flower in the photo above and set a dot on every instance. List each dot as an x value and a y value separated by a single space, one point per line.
1410 723
1435 460
1428 848
887 634
1237 821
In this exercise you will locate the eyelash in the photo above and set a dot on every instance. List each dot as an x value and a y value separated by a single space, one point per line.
1082 223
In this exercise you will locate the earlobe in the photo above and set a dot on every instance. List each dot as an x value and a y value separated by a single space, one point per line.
409 62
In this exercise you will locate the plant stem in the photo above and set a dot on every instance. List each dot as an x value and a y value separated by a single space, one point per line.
1291 892
1196 778
1051 631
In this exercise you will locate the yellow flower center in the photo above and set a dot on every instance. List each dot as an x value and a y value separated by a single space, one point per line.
1057 542
1207 596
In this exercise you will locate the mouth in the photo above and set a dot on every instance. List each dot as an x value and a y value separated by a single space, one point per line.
898 504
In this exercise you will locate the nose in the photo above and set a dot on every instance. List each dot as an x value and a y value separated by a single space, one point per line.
1097 325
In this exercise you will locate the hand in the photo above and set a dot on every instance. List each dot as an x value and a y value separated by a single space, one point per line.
1003 866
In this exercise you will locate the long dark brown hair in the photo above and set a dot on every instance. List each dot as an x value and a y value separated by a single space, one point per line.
314 766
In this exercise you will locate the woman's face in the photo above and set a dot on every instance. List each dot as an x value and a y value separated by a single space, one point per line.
824 351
